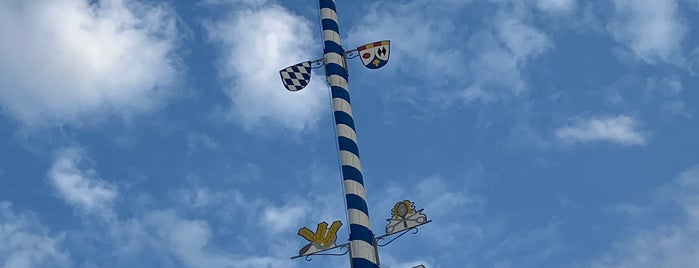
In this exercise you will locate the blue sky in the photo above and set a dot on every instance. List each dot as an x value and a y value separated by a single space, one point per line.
547 133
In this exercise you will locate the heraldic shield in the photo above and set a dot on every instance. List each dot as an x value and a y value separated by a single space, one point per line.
296 77
375 55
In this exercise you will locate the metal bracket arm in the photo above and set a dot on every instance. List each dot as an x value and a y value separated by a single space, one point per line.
320 253
414 230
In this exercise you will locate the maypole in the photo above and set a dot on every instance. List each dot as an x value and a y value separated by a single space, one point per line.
361 238
363 245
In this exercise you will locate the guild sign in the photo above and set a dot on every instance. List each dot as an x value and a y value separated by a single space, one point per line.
375 55
323 238
296 77
404 216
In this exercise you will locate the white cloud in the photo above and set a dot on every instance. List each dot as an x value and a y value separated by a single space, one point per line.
78 184
653 30
523 41
164 237
64 61
196 141
172 240
501 55
256 43
556 6
526 249
617 129
666 90
224 205
26 243
488 66
185 239
457 213
425 51
668 85
676 108
667 244
285 218
694 3
230 205
203 197
419 30
474 93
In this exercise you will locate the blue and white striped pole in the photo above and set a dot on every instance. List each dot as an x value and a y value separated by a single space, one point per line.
361 238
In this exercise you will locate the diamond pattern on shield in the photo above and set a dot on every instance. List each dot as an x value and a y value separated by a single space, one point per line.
296 77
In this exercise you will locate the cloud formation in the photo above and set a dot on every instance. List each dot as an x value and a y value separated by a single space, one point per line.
501 54
26 243
503 65
285 218
255 44
616 129
417 39
556 6
491 63
667 244
78 183
67 61
653 31
185 240
160 236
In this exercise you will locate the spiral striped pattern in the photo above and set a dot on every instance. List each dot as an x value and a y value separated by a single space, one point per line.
361 238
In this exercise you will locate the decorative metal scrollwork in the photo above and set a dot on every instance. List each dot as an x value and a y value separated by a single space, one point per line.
352 54
308 257
413 230
317 63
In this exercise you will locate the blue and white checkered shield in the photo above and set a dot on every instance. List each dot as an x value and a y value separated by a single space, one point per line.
296 77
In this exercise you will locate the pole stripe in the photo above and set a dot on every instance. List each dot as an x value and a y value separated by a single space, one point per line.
332 47
345 131
339 81
350 159
364 263
328 13
344 118
331 35
336 58
342 105
365 253
338 92
354 187
361 233
362 251
335 68
356 202
362 218
348 145
327 4
351 173
330 25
